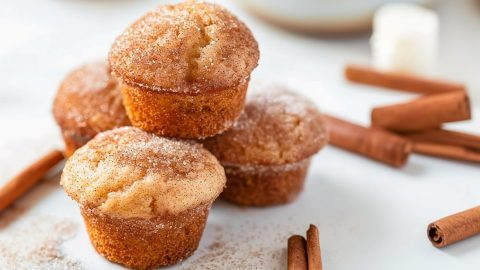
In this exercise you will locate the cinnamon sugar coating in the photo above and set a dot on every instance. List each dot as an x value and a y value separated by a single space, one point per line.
88 101
129 173
276 127
189 47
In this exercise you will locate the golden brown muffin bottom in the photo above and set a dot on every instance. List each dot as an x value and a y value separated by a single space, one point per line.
146 243
181 115
265 185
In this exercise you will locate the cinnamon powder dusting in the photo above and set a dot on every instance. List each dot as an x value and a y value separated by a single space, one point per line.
247 247
35 242
189 47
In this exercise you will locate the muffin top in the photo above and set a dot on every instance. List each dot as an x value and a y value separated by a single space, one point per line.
89 101
126 172
276 127
189 47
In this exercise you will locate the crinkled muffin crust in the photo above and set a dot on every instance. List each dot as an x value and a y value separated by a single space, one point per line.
276 127
188 48
87 102
129 173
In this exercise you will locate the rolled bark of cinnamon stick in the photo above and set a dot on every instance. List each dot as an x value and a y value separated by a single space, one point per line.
314 256
404 82
297 253
21 183
423 113
448 137
371 142
446 151
454 228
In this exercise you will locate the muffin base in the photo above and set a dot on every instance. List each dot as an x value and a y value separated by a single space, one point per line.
184 115
264 185
146 243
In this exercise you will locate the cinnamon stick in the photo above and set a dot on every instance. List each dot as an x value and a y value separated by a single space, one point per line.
446 151
454 228
449 137
297 253
313 249
404 82
26 179
371 142
423 113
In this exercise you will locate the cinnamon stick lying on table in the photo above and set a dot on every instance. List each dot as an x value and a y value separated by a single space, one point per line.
25 180
454 228
297 253
446 151
423 113
404 82
449 137
313 249
371 142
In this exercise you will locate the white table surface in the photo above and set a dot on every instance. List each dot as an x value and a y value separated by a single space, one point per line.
370 216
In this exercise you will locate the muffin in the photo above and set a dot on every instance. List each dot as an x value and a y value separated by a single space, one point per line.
144 199
266 154
184 69
88 101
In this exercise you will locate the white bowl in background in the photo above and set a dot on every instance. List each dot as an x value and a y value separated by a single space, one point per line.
320 16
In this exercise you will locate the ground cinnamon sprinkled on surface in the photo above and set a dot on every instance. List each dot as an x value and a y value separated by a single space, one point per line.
246 247
34 242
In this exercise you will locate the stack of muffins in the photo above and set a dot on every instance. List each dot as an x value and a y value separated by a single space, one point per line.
182 73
